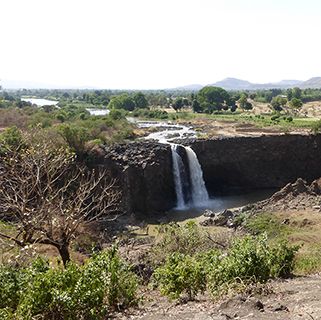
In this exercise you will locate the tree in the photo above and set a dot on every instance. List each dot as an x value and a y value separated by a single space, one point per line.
186 102
140 100
296 103
212 98
178 104
278 103
289 94
122 102
243 100
48 196
248 106
297 93
196 106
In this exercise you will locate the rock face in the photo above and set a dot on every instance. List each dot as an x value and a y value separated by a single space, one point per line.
298 195
258 162
144 172
144 169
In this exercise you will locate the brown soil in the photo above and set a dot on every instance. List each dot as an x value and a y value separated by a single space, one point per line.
293 299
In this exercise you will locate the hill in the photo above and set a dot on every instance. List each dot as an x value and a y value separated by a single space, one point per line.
239 84
312 83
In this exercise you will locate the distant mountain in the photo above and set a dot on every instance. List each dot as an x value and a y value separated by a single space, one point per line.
291 83
313 83
190 87
233 84
237 84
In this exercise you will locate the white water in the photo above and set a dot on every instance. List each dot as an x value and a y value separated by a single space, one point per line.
177 173
169 133
40 102
98 112
198 188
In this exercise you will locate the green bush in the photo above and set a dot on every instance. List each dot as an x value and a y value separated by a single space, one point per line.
75 137
11 139
180 274
103 284
250 260
316 127
150 114
117 114
187 239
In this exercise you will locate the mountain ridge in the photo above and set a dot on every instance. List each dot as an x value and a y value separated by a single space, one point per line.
239 84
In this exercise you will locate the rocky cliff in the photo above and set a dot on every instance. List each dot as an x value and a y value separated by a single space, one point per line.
144 172
258 162
144 169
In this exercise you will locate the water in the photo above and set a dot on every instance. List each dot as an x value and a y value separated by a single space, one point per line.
167 133
40 102
198 188
178 166
220 203
98 112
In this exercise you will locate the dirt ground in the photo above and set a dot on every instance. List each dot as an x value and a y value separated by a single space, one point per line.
294 299
217 128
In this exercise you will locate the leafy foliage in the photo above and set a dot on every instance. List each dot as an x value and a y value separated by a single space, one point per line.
187 239
250 259
189 270
181 274
103 284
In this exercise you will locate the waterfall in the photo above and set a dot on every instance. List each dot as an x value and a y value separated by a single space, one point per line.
197 185
178 165
198 189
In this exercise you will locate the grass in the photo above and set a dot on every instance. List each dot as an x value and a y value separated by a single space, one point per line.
299 228
281 123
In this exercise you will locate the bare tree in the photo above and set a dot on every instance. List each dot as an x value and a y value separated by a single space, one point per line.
48 196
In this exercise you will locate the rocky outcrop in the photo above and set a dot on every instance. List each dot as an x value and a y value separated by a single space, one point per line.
299 195
258 162
223 218
144 173
144 169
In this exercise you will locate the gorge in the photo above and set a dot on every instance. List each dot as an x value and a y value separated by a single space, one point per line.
144 169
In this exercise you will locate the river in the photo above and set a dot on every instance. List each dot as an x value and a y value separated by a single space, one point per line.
40 102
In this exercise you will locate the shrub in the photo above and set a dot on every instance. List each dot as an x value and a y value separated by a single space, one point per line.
187 239
181 274
75 137
117 114
103 284
11 139
150 114
275 117
250 260
316 127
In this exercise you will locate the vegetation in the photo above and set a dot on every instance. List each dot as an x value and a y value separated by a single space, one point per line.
181 274
248 260
49 195
92 291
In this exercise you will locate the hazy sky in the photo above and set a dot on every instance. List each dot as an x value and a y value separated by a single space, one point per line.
158 43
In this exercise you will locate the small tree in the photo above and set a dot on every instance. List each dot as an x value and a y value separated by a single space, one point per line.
140 100
48 196
243 100
296 103
178 104
196 106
